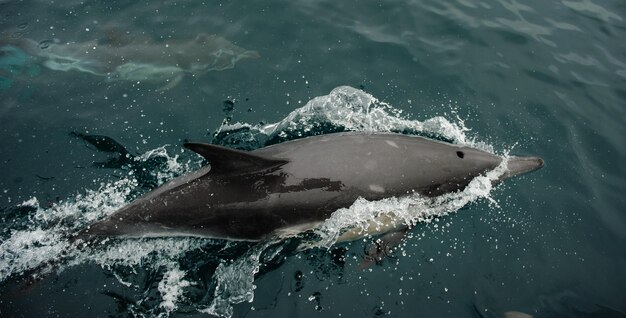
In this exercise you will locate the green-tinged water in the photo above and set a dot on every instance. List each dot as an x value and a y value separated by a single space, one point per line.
543 78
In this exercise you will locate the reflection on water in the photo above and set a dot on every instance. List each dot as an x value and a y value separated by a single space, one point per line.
122 57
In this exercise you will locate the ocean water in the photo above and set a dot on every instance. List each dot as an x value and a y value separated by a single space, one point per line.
96 99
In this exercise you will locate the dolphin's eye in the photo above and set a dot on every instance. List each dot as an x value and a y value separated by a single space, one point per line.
460 154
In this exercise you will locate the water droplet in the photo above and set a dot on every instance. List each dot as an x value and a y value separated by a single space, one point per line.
16 35
23 26
45 44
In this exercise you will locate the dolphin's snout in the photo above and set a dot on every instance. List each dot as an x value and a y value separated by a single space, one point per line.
521 165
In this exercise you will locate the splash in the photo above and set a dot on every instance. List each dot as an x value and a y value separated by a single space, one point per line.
171 288
344 109
235 282
408 210
43 236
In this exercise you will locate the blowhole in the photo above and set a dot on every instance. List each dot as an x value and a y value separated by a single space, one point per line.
460 154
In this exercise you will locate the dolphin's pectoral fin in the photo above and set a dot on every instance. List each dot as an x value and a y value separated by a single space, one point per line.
383 247
226 160
102 143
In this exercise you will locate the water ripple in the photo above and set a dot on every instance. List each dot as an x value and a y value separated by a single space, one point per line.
586 8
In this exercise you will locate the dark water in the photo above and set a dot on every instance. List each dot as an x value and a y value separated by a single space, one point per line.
532 77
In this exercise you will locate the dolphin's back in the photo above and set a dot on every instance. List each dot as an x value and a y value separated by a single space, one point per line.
294 185
381 164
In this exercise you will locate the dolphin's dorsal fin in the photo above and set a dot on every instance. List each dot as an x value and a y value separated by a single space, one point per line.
228 160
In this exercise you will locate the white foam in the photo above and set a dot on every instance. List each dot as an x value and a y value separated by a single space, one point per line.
173 167
44 238
171 288
129 253
32 202
28 249
354 110
410 209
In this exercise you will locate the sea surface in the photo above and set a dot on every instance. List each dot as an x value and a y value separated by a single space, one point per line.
97 98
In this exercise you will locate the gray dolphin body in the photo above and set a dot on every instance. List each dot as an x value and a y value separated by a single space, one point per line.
139 59
298 184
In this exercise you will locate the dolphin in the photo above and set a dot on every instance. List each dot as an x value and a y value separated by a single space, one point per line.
122 58
295 186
